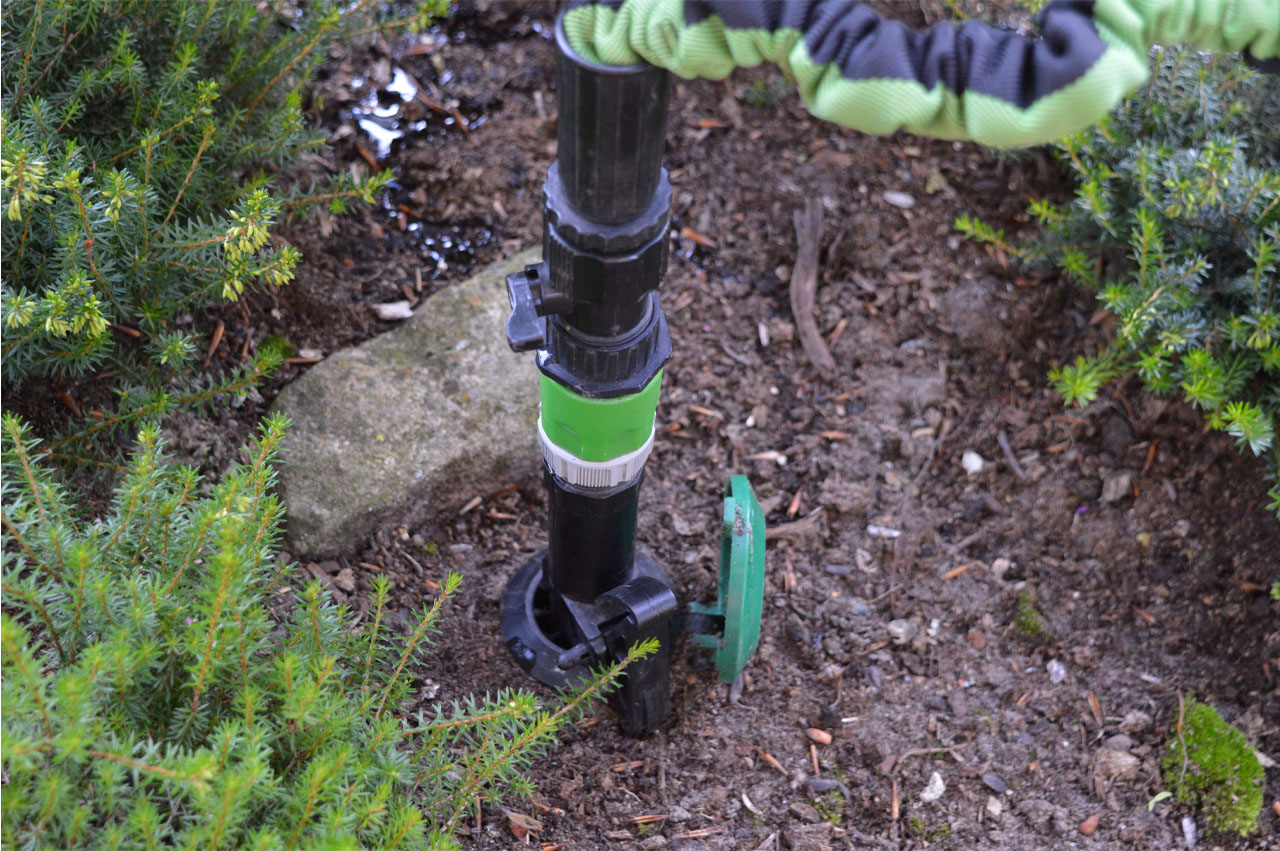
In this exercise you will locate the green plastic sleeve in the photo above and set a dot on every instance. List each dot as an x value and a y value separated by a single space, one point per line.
598 429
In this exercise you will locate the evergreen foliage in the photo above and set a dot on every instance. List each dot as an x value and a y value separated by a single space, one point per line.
152 698
139 139
1209 765
1176 226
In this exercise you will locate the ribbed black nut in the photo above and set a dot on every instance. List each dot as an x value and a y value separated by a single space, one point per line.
606 369
600 237
611 132
606 290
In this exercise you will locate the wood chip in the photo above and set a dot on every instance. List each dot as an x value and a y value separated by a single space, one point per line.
68 400
627 766
804 285
835 335
697 238
956 571
794 507
649 818
773 763
1095 708
214 341
796 529
822 737
698 834
527 823
367 156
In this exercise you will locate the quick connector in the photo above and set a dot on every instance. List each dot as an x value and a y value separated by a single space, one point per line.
591 312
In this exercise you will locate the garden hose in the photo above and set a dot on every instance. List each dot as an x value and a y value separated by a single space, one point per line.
953 81
591 310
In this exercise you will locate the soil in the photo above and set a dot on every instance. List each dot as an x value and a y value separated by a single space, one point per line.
1143 541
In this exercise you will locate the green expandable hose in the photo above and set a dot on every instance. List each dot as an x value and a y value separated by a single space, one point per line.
966 81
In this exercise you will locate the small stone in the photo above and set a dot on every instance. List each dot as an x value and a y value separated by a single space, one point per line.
1135 721
901 631
678 815
345 580
994 782
1089 825
1000 567
1116 765
658 841
681 525
1116 486
1189 831
804 812
972 462
899 199
933 789
1119 742
1057 671
1044 815
393 310
994 806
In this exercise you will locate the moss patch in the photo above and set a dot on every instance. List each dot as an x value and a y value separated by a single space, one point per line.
1217 772
1026 617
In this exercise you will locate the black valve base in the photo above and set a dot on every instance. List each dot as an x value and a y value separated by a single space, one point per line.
562 643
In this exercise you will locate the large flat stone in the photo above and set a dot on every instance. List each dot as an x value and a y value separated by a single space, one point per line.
412 422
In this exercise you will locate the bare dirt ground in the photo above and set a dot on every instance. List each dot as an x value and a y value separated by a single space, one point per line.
1142 540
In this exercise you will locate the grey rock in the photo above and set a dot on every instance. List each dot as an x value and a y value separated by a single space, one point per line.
1115 765
994 782
1045 816
1118 742
804 812
901 631
1116 486
409 423
1135 721
809 837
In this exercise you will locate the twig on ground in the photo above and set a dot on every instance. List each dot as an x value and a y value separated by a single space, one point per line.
804 285
1003 440
1182 740
894 762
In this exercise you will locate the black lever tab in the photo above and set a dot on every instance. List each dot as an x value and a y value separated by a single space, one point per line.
526 327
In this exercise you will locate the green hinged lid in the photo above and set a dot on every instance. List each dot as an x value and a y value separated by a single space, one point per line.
735 615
